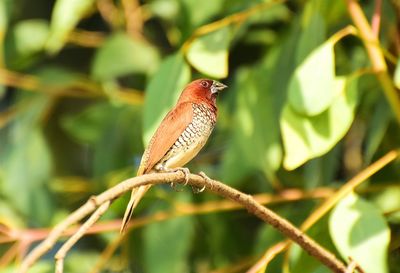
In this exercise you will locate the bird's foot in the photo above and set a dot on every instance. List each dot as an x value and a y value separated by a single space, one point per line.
206 178
186 172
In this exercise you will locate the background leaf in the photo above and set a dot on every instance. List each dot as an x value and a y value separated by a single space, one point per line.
209 53
66 15
308 137
121 55
357 228
160 237
163 91
310 96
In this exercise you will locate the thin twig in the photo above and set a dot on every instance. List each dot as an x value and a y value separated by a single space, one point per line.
269 255
229 20
353 266
81 88
62 252
133 18
109 12
214 186
376 18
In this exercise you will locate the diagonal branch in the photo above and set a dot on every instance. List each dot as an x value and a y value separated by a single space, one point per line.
247 201
62 252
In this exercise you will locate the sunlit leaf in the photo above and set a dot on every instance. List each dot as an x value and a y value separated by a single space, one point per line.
359 231
168 243
308 137
66 15
388 200
30 36
163 91
165 9
121 55
312 86
209 53
26 39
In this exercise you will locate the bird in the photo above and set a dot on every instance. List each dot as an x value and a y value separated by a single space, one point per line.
180 136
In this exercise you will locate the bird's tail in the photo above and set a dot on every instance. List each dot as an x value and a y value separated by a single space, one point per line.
136 195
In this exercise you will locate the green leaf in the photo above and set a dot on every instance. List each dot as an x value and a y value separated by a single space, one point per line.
88 125
397 75
25 40
256 122
309 137
209 53
313 31
377 128
113 143
30 36
121 55
359 230
5 13
65 16
167 243
198 16
28 168
163 91
312 86
81 261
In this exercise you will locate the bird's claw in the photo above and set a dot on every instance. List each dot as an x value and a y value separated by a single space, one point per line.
206 178
186 172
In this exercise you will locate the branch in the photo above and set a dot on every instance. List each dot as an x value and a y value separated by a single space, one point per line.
327 205
375 54
214 186
376 17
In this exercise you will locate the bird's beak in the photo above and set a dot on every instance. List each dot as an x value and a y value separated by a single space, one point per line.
217 86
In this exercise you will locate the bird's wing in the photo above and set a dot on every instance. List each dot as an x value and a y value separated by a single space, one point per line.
171 127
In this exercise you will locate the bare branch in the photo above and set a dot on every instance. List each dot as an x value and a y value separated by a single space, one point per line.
214 186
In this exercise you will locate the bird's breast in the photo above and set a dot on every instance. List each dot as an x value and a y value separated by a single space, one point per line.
192 139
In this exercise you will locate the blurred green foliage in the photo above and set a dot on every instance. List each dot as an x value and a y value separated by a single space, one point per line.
84 84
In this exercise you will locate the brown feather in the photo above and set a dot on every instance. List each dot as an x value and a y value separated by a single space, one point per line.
171 127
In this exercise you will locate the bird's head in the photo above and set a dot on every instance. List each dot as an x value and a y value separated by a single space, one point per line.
202 90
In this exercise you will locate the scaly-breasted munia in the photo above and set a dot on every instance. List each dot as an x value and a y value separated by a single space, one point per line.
180 136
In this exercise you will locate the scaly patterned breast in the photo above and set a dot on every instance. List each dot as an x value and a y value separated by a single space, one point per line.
191 140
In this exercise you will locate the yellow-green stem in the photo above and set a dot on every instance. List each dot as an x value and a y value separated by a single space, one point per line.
375 54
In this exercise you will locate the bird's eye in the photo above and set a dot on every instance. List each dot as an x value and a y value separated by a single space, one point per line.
204 84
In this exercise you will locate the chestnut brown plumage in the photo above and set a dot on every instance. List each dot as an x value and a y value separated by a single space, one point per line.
180 136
